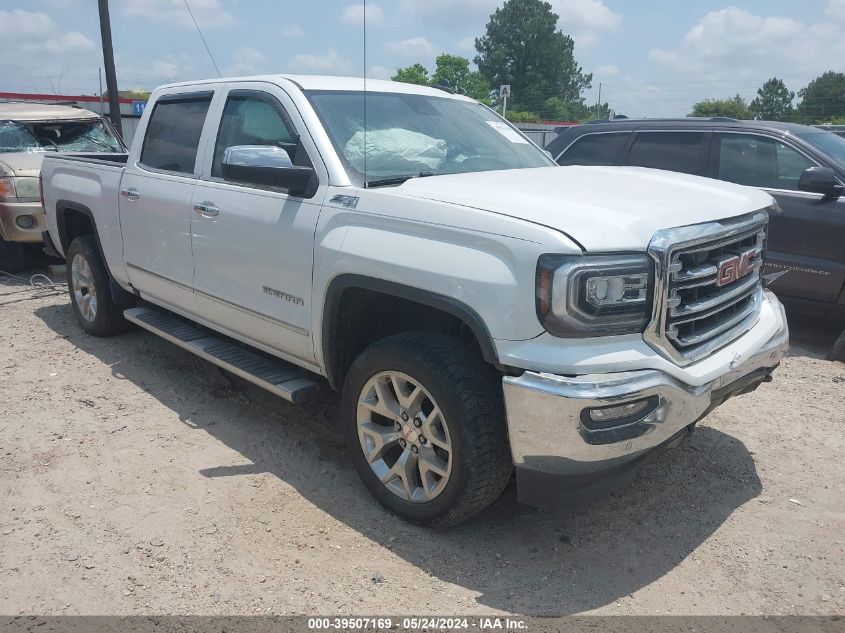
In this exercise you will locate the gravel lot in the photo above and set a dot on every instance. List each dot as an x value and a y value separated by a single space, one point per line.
138 479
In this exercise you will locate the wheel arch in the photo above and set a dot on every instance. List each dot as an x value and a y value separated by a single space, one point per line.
428 303
73 220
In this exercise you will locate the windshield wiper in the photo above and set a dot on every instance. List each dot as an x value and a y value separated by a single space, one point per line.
395 180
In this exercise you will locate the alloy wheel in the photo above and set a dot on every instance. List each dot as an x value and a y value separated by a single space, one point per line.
404 436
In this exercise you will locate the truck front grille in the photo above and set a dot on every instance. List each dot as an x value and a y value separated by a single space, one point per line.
708 290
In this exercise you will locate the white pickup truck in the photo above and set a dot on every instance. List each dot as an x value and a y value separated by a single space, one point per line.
480 308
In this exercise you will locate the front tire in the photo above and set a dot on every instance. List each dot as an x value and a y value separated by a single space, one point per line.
90 291
424 420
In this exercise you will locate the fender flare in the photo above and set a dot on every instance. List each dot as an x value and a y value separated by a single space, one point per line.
449 305
62 206
120 295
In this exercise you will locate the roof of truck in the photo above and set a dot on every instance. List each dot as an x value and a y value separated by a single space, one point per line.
21 111
329 82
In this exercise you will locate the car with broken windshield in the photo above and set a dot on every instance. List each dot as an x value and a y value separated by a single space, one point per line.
27 132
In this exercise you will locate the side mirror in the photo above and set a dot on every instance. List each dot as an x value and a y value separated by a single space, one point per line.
265 165
820 180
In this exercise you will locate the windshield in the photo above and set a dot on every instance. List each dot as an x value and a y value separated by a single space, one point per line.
411 135
828 143
57 136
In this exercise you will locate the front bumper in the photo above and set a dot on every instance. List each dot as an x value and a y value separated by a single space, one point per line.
10 211
560 456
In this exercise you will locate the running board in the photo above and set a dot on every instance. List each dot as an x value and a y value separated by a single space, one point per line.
276 376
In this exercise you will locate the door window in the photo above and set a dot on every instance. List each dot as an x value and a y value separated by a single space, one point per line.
173 133
251 118
595 149
673 151
757 161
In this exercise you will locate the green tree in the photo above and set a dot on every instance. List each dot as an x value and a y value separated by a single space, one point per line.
416 74
522 47
823 98
773 102
455 70
735 108
557 109
522 117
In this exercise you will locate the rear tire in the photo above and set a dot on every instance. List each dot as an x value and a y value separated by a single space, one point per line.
90 292
437 453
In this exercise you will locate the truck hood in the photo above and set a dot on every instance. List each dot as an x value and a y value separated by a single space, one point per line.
21 163
601 208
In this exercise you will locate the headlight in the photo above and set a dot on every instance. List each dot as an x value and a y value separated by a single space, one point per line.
583 295
27 187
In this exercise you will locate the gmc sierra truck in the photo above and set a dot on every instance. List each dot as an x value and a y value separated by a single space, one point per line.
481 309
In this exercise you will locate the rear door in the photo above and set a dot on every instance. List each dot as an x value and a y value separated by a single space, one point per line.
595 148
807 238
155 199
254 253
684 151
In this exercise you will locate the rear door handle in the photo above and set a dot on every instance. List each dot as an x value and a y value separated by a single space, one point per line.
207 209
132 194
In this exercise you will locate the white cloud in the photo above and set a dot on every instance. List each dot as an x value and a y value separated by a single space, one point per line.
208 13
836 9
354 15
448 14
466 44
585 20
735 43
293 30
412 47
39 56
329 63
151 73
379 72
606 71
246 61
68 42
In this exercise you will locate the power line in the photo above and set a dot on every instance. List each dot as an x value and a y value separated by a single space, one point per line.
207 50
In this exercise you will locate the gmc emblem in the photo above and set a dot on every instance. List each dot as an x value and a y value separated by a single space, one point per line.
730 270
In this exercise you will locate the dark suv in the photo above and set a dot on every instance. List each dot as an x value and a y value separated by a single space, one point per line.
801 166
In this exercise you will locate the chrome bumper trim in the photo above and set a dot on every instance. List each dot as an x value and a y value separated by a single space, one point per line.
11 232
544 411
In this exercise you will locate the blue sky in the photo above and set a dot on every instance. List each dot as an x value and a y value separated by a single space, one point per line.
652 58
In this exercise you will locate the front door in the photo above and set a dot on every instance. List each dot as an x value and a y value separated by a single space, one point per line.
806 239
155 201
253 244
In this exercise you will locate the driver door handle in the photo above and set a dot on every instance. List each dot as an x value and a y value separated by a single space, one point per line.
206 209
131 194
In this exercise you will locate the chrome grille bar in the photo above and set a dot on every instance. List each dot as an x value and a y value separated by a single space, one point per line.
719 300
708 290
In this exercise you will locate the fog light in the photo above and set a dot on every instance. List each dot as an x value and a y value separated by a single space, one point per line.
607 414
25 221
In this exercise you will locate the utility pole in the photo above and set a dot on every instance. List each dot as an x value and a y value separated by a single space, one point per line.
100 75
108 61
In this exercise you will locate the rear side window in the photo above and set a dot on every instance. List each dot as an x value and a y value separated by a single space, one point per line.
757 161
173 133
673 151
595 149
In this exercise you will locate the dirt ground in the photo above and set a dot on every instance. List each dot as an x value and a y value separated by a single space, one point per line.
136 478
